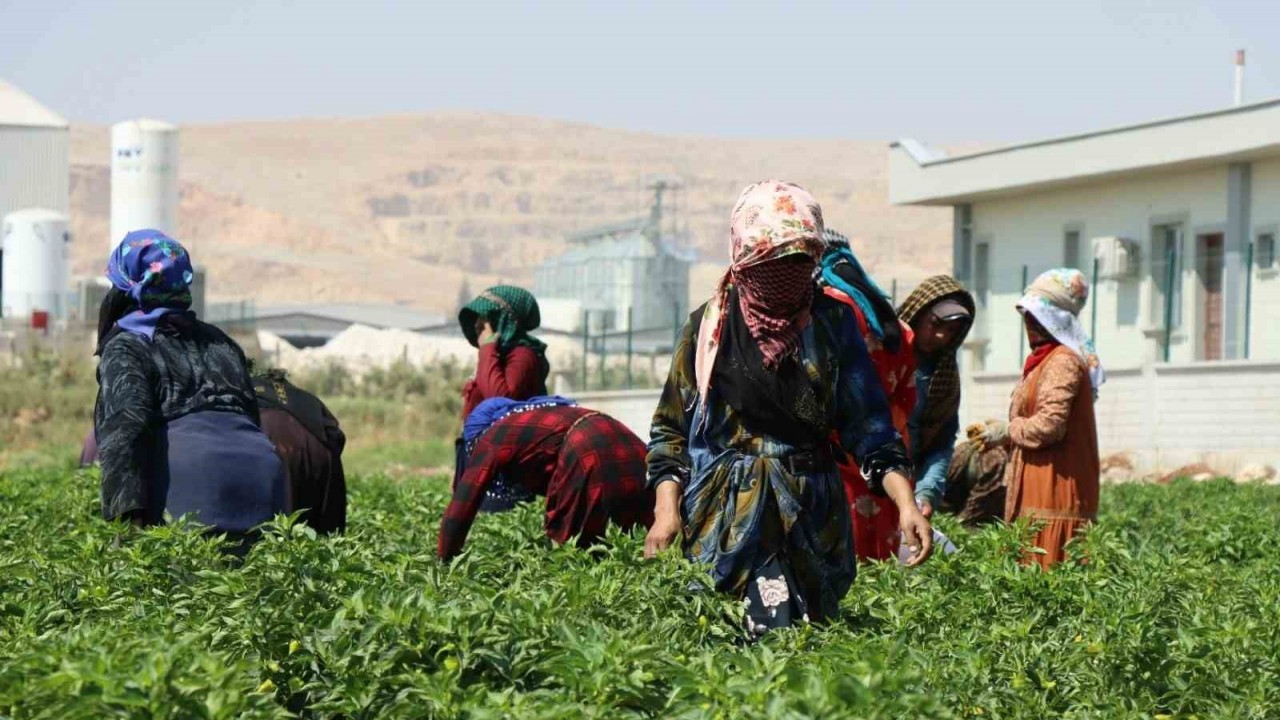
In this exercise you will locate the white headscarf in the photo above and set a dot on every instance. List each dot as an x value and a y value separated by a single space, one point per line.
1055 299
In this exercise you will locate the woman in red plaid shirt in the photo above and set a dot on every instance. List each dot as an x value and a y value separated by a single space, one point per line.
590 467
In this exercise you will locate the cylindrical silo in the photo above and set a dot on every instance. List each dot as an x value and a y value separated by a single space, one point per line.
35 263
144 178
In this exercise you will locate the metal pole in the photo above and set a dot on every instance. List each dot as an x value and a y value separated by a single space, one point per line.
894 293
1171 276
675 325
603 340
1093 320
1022 335
586 336
1248 298
630 328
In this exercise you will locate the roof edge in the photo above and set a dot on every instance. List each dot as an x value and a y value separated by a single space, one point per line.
925 157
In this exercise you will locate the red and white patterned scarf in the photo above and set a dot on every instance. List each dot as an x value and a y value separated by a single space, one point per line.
771 220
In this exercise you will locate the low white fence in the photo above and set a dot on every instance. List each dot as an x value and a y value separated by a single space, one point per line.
1224 414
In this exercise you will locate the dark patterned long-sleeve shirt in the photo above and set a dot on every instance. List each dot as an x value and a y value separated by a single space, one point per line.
858 407
187 367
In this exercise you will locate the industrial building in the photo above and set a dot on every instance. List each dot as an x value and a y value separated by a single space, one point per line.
34 176
314 325
1176 220
631 275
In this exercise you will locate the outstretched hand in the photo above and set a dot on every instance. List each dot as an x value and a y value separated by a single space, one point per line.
917 533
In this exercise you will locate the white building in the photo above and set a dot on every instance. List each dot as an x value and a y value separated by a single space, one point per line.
629 272
1177 220
35 170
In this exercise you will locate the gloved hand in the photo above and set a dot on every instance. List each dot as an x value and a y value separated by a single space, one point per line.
996 435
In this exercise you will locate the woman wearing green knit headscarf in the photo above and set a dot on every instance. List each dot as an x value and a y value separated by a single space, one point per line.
512 363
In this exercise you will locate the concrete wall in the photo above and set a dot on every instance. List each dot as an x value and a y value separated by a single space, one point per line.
1028 230
1264 330
1166 416
1221 413
634 408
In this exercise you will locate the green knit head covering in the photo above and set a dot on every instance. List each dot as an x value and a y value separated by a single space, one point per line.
511 311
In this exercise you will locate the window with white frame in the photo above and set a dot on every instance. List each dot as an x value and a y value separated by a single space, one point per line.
1071 249
982 271
1264 250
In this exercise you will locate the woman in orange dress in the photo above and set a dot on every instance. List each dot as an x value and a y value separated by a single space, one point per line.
1053 471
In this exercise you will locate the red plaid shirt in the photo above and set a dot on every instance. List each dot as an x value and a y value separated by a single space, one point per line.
599 466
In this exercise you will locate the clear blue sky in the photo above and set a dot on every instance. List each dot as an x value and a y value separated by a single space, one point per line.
943 70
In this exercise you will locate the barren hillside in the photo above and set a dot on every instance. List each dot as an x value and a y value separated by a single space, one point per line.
399 209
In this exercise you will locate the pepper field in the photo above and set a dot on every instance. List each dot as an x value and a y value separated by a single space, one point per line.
1175 615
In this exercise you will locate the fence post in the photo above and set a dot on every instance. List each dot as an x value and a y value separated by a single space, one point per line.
675 326
586 337
1093 320
1022 335
893 293
1171 276
1248 298
603 341
630 332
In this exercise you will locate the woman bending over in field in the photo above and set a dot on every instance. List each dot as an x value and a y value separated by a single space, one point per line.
1052 476
175 418
741 455
511 364
589 466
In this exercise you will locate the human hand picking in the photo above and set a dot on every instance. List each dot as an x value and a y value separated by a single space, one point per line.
996 435
666 520
917 533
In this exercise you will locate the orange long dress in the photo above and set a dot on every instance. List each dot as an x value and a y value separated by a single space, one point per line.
1054 467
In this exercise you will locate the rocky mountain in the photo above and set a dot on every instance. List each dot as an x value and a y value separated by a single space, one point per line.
402 209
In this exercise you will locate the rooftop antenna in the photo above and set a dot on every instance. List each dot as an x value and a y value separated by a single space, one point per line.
1239 78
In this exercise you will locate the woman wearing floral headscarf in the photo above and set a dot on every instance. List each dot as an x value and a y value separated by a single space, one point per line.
741 452
1053 471
176 418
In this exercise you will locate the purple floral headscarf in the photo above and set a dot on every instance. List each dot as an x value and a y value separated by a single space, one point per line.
154 270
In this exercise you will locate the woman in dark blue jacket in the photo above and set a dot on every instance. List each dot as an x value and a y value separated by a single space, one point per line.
176 418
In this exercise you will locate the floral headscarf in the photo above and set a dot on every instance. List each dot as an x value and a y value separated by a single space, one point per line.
155 271
771 220
1055 299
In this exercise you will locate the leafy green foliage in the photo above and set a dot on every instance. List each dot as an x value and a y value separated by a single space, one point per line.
1174 614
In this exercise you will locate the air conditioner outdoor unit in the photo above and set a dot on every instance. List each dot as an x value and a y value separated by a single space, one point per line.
1117 258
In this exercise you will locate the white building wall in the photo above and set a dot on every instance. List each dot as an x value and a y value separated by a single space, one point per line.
1029 230
1219 413
35 170
1264 339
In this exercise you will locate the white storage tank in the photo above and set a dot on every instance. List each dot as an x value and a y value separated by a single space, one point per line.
35 169
34 275
144 178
